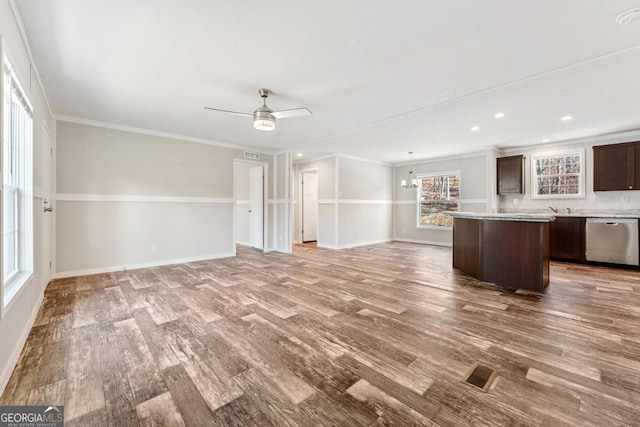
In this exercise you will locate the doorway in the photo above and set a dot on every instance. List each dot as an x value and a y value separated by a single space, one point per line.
309 206
250 184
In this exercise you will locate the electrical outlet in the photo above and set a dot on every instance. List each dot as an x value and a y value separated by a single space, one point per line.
404 231
154 249
515 201
624 198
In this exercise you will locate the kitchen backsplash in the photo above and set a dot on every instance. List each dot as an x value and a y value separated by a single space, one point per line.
593 202
625 201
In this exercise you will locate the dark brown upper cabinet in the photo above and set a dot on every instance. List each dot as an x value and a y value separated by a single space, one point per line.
511 175
616 167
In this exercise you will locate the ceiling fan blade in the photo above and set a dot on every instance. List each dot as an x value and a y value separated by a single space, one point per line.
231 112
291 113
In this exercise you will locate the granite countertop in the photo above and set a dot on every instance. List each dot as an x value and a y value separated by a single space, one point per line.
599 215
542 217
635 213
527 217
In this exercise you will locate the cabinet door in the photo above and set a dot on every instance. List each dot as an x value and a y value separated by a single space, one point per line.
567 239
614 167
510 174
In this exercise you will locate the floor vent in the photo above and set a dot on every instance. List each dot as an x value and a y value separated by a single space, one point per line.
480 376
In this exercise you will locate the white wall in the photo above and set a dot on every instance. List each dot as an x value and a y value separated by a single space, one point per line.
475 195
296 204
355 201
365 202
281 205
593 201
127 200
17 321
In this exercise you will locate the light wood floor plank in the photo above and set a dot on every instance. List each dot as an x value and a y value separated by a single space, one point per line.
160 411
84 392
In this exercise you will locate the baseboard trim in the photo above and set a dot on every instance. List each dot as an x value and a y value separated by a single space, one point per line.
370 242
15 354
325 246
111 269
354 245
281 250
424 242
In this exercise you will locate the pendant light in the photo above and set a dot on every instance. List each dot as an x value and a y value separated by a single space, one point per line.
412 182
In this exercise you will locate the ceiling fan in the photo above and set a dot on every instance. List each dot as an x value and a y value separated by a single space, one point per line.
264 118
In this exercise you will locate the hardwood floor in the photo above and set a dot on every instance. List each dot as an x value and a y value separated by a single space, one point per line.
378 335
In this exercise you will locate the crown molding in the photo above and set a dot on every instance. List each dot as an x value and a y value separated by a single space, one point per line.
107 125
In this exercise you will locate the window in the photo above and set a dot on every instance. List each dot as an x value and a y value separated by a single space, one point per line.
438 194
558 175
17 189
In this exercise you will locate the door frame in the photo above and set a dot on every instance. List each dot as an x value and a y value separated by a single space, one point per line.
265 198
253 240
300 210
50 264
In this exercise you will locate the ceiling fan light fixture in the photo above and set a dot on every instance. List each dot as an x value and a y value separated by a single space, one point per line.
264 118
264 121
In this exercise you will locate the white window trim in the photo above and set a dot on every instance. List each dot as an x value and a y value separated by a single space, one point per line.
558 153
419 176
21 280
18 284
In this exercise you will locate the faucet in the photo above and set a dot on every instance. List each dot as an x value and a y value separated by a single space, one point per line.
553 209
568 210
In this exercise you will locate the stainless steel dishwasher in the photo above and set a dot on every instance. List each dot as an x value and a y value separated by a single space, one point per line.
613 240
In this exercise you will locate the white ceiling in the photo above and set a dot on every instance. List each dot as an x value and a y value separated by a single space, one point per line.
381 77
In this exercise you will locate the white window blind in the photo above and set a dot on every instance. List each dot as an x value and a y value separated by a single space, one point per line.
17 188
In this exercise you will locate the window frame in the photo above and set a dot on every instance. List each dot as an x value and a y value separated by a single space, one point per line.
420 176
16 108
566 152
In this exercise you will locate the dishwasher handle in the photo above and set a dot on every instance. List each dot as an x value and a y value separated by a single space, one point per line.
612 221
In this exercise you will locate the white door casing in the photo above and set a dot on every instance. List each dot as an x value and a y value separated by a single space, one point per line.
256 207
309 206
47 223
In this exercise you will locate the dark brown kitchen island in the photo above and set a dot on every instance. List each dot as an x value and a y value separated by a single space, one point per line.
508 250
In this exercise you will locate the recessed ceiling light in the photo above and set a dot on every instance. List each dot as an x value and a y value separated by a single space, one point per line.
545 140
299 154
475 128
628 15
566 118
498 115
